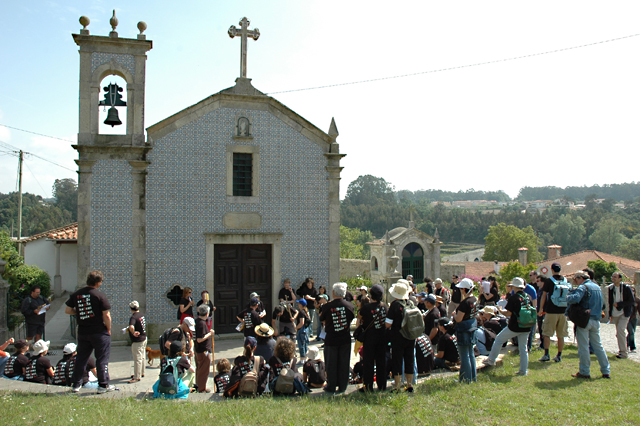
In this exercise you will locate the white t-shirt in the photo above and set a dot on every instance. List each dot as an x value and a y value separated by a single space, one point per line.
617 297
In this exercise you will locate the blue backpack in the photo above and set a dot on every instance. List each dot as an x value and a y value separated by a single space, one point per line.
560 292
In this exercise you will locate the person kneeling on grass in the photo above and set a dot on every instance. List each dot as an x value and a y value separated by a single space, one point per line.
313 371
447 349
512 310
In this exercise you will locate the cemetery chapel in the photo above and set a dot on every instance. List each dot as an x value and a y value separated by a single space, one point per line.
231 195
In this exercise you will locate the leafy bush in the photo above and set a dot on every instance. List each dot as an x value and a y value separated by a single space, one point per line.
511 270
602 269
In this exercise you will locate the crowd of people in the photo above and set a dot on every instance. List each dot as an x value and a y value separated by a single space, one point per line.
410 336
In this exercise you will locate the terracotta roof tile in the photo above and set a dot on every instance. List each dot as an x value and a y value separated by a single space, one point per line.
68 232
574 262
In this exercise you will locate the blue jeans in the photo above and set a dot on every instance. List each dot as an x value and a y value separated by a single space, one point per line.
20 377
530 339
467 364
3 363
303 341
591 333
504 337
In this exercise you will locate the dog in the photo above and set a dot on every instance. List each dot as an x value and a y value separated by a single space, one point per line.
153 354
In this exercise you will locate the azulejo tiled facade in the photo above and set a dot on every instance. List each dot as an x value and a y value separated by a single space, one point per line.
187 197
99 58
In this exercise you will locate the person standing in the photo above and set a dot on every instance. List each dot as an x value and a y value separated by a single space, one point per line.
186 304
456 296
203 349
515 302
466 326
337 316
138 332
92 310
373 317
309 293
31 308
621 303
589 296
286 293
402 349
554 321
207 301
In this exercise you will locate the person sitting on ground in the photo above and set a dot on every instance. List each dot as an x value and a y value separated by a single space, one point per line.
485 334
266 342
244 364
357 373
424 356
284 355
313 371
64 369
287 317
251 318
447 349
185 372
17 363
4 357
221 379
39 369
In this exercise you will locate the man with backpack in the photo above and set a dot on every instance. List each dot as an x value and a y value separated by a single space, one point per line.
553 304
522 316
402 341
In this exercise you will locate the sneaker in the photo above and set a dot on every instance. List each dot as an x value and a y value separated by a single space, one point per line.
487 361
557 358
606 376
545 358
75 389
632 351
579 375
520 373
620 356
109 388
410 389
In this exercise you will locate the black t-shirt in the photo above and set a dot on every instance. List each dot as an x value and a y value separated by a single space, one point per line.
89 304
447 345
513 305
138 322
201 331
469 306
15 365
245 365
36 370
251 321
286 320
179 334
493 325
373 318
221 380
306 291
430 320
337 316
66 370
182 365
424 354
184 302
286 295
277 365
444 293
456 294
29 305
315 371
549 306
396 313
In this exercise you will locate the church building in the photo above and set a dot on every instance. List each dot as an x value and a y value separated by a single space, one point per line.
231 195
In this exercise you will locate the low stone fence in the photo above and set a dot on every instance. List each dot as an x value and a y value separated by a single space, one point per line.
350 268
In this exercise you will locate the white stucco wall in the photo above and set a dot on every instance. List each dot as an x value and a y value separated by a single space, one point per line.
42 253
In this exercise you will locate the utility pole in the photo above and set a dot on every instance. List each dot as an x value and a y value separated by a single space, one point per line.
20 197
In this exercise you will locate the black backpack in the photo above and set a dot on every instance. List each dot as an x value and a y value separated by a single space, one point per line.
169 377
489 337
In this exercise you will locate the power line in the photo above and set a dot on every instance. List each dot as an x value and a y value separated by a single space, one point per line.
34 133
456 67
34 155
36 179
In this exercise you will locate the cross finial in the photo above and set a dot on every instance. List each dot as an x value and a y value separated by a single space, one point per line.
243 32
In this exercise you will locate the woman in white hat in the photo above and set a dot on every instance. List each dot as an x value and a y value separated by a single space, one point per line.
39 369
466 326
401 348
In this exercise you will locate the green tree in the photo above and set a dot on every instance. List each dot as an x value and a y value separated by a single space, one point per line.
370 190
65 192
569 232
602 269
630 248
503 241
353 243
607 236
511 270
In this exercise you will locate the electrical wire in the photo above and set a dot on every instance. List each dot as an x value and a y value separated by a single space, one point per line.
49 161
34 133
36 179
456 67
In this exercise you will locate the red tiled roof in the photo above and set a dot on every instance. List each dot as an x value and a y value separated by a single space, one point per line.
480 269
574 262
68 232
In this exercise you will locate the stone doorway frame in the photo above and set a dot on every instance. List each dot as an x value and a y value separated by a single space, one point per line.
274 239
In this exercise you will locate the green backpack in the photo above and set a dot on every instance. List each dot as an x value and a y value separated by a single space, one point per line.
528 316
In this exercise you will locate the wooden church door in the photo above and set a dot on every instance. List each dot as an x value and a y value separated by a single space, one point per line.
240 269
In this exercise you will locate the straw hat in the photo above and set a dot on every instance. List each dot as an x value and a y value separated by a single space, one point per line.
264 330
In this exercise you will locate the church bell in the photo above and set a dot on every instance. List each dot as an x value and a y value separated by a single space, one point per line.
112 117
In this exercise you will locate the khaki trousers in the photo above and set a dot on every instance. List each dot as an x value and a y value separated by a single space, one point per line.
138 352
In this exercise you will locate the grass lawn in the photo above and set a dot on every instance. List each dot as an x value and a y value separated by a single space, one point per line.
549 396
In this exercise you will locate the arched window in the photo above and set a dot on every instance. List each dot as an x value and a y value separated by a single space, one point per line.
413 261
374 263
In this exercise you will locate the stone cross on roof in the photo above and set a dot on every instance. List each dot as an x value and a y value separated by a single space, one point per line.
243 32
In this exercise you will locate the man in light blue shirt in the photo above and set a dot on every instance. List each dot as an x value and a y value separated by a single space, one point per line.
589 296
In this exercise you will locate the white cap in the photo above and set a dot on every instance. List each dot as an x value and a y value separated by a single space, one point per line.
465 283
69 348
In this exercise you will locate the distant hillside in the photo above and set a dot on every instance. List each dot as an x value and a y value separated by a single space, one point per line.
618 192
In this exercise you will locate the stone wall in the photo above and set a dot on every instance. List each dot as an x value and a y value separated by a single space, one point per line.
448 269
349 268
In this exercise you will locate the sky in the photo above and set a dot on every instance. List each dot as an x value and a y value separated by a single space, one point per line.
566 118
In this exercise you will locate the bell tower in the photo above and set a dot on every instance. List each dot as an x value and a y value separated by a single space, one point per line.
112 167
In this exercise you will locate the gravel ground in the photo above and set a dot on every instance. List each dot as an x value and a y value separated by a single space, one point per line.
610 343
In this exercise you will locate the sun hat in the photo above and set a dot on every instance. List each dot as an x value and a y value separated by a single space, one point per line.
489 310
191 323
69 348
264 330
400 290
313 353
40 346
517 283
465 283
